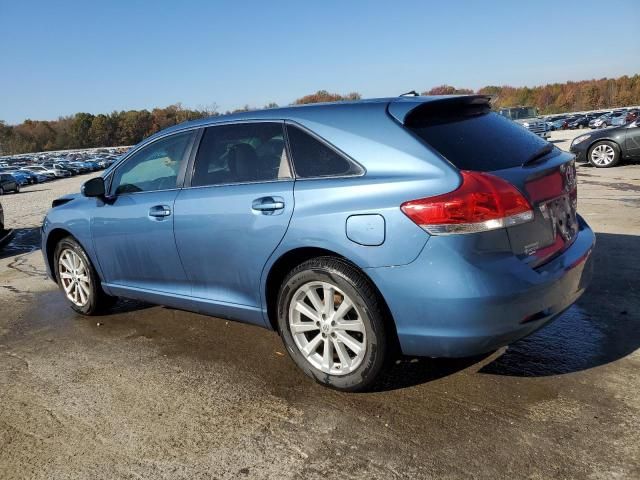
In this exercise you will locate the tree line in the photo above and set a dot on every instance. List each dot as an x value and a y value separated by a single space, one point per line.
84 130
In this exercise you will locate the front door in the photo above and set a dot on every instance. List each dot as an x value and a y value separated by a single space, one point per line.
133 230
632 140
235 212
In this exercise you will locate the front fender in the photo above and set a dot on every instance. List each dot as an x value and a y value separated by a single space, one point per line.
71 218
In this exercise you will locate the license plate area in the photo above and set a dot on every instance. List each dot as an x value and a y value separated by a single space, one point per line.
560 212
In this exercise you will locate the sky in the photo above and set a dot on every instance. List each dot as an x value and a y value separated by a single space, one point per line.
62 57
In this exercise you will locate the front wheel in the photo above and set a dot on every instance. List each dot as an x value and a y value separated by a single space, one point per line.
17 188
78 279
332 322
604 154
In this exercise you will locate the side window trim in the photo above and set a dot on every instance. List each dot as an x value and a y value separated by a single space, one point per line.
326 143
199 137
183 165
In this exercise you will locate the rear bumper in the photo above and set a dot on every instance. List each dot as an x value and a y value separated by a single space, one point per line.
456 301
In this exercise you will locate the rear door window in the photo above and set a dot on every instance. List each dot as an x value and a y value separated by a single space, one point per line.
477 140
241 153
313 158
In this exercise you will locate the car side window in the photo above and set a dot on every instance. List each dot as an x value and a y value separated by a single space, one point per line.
312 158
154 167
241 153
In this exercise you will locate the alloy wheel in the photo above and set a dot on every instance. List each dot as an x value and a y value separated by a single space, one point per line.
74 276
603 155
327 328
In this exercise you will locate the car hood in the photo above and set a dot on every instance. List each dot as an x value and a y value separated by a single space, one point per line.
610 132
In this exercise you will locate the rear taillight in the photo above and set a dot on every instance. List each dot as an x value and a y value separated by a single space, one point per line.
483 202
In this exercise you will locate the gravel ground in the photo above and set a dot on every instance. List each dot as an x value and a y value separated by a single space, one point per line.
150 392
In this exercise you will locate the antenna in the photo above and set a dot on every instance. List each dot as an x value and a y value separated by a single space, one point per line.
412 93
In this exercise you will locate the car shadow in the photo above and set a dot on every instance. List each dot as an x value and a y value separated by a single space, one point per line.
21 241
602 327
31 190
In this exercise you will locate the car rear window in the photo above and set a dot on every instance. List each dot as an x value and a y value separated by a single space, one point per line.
473 138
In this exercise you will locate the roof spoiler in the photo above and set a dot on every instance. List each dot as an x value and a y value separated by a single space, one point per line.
409 110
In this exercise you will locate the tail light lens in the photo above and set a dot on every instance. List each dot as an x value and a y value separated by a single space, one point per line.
483 202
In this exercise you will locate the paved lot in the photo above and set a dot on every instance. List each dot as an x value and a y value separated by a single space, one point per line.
149 392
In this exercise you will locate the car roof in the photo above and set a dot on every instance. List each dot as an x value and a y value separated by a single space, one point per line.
401 106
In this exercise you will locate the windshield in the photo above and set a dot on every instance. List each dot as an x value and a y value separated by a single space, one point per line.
519 113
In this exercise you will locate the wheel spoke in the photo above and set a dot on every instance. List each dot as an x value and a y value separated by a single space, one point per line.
312 345
343 309
81 294
304 309
64 260
312 295
329 292
67 286
65 275
351 325
353 345
345 360
327 354
303 327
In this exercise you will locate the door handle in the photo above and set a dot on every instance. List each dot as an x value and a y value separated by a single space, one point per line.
160 211
268 204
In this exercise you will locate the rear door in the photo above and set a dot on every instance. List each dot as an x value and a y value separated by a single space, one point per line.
471 137
236 210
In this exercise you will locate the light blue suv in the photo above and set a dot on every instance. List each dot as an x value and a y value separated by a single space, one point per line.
418 225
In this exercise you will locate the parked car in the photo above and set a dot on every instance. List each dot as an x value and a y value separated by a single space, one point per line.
23 178
579 122
32 178
40 175
48 172
619 120
67 168
559 124
454 248
8 183
80 166
599 121
607 148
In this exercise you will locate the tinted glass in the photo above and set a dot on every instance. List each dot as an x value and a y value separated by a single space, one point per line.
312 158
155 167
241 153
481 142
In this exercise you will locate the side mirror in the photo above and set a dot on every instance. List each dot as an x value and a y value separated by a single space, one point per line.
93 187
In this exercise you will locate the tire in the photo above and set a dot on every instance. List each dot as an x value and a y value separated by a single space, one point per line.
17 190
357 342
91 298
604 154
1 191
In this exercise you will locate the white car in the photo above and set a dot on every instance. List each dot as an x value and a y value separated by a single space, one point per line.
47 172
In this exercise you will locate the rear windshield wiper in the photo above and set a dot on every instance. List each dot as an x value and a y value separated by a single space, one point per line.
539 155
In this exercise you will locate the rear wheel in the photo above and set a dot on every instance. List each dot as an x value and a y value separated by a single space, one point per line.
604 154
78 279
1 191
17 188
332 323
